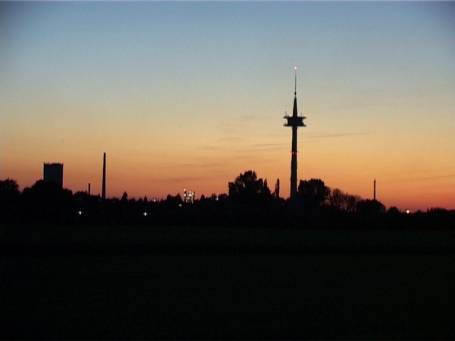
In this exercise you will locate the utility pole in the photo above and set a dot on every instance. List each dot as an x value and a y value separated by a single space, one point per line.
103 184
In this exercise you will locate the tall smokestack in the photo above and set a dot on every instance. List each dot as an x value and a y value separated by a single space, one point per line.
88 189
374 190
103 186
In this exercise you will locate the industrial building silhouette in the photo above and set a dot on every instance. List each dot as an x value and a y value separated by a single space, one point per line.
53 172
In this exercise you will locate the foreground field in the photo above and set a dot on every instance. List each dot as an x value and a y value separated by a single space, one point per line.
174 283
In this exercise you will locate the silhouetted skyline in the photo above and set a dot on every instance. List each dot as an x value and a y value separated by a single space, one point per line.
186 210
187 95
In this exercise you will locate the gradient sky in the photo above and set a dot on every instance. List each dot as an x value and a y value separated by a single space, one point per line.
188 95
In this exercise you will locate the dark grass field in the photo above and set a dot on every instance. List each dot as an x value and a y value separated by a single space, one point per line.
138 282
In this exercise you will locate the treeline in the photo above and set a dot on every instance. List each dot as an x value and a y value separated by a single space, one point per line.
249 202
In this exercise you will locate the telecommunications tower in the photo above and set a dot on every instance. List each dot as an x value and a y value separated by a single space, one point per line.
294 122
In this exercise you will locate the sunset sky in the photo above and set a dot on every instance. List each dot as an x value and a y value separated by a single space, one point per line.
191 94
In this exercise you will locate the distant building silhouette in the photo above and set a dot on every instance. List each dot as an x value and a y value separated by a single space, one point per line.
53 172
103 184
188 196
294 122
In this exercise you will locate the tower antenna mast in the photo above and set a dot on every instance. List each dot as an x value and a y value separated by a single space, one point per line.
295 80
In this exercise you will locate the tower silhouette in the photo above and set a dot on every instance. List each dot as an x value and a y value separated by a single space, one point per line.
277 188
374 190
103 184
53 172
294 122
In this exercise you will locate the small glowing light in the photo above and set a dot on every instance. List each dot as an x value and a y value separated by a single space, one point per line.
295 67
408 211
145 214
180 205
79 212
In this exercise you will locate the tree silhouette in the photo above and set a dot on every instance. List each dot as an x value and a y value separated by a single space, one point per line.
370 207
343 201
9 190
48 201
9 198
393 211
173 201
248 188
314 193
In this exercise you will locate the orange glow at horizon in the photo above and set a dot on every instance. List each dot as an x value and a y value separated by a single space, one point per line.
349 163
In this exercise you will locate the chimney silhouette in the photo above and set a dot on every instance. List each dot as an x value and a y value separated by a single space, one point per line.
374 190
103 185
88 189
277 188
